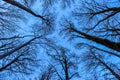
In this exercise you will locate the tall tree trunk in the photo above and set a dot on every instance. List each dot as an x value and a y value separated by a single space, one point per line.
105 42
66 70
108 68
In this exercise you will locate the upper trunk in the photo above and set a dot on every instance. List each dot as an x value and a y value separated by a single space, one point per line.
105 42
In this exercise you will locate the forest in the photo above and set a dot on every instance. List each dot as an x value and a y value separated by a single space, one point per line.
59 39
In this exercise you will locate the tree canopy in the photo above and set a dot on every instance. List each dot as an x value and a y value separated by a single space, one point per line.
60 40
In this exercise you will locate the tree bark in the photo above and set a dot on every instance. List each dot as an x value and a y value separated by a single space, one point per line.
105 42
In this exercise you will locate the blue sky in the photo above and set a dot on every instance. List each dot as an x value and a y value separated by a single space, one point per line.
31 22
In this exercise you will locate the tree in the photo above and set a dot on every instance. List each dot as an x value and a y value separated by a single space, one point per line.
21 61
100 28
64 63
94 24
95 63
104 28
17 54
48 73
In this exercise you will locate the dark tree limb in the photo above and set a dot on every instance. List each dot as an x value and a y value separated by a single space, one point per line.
17 4
105 42
107 67
17 48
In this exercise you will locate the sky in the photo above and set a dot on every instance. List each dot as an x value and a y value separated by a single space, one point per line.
60 39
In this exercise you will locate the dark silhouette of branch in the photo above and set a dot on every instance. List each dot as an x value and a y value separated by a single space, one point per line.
107 67
13 37
7 65
107 17
97 48
17 4
105 42
17 48
93 60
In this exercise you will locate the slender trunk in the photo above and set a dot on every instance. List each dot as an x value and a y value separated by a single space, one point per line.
66 70
109 68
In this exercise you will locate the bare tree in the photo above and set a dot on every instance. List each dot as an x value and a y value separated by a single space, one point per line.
98 25
18 55
21 62
104 31
95 63
66 63
48 73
